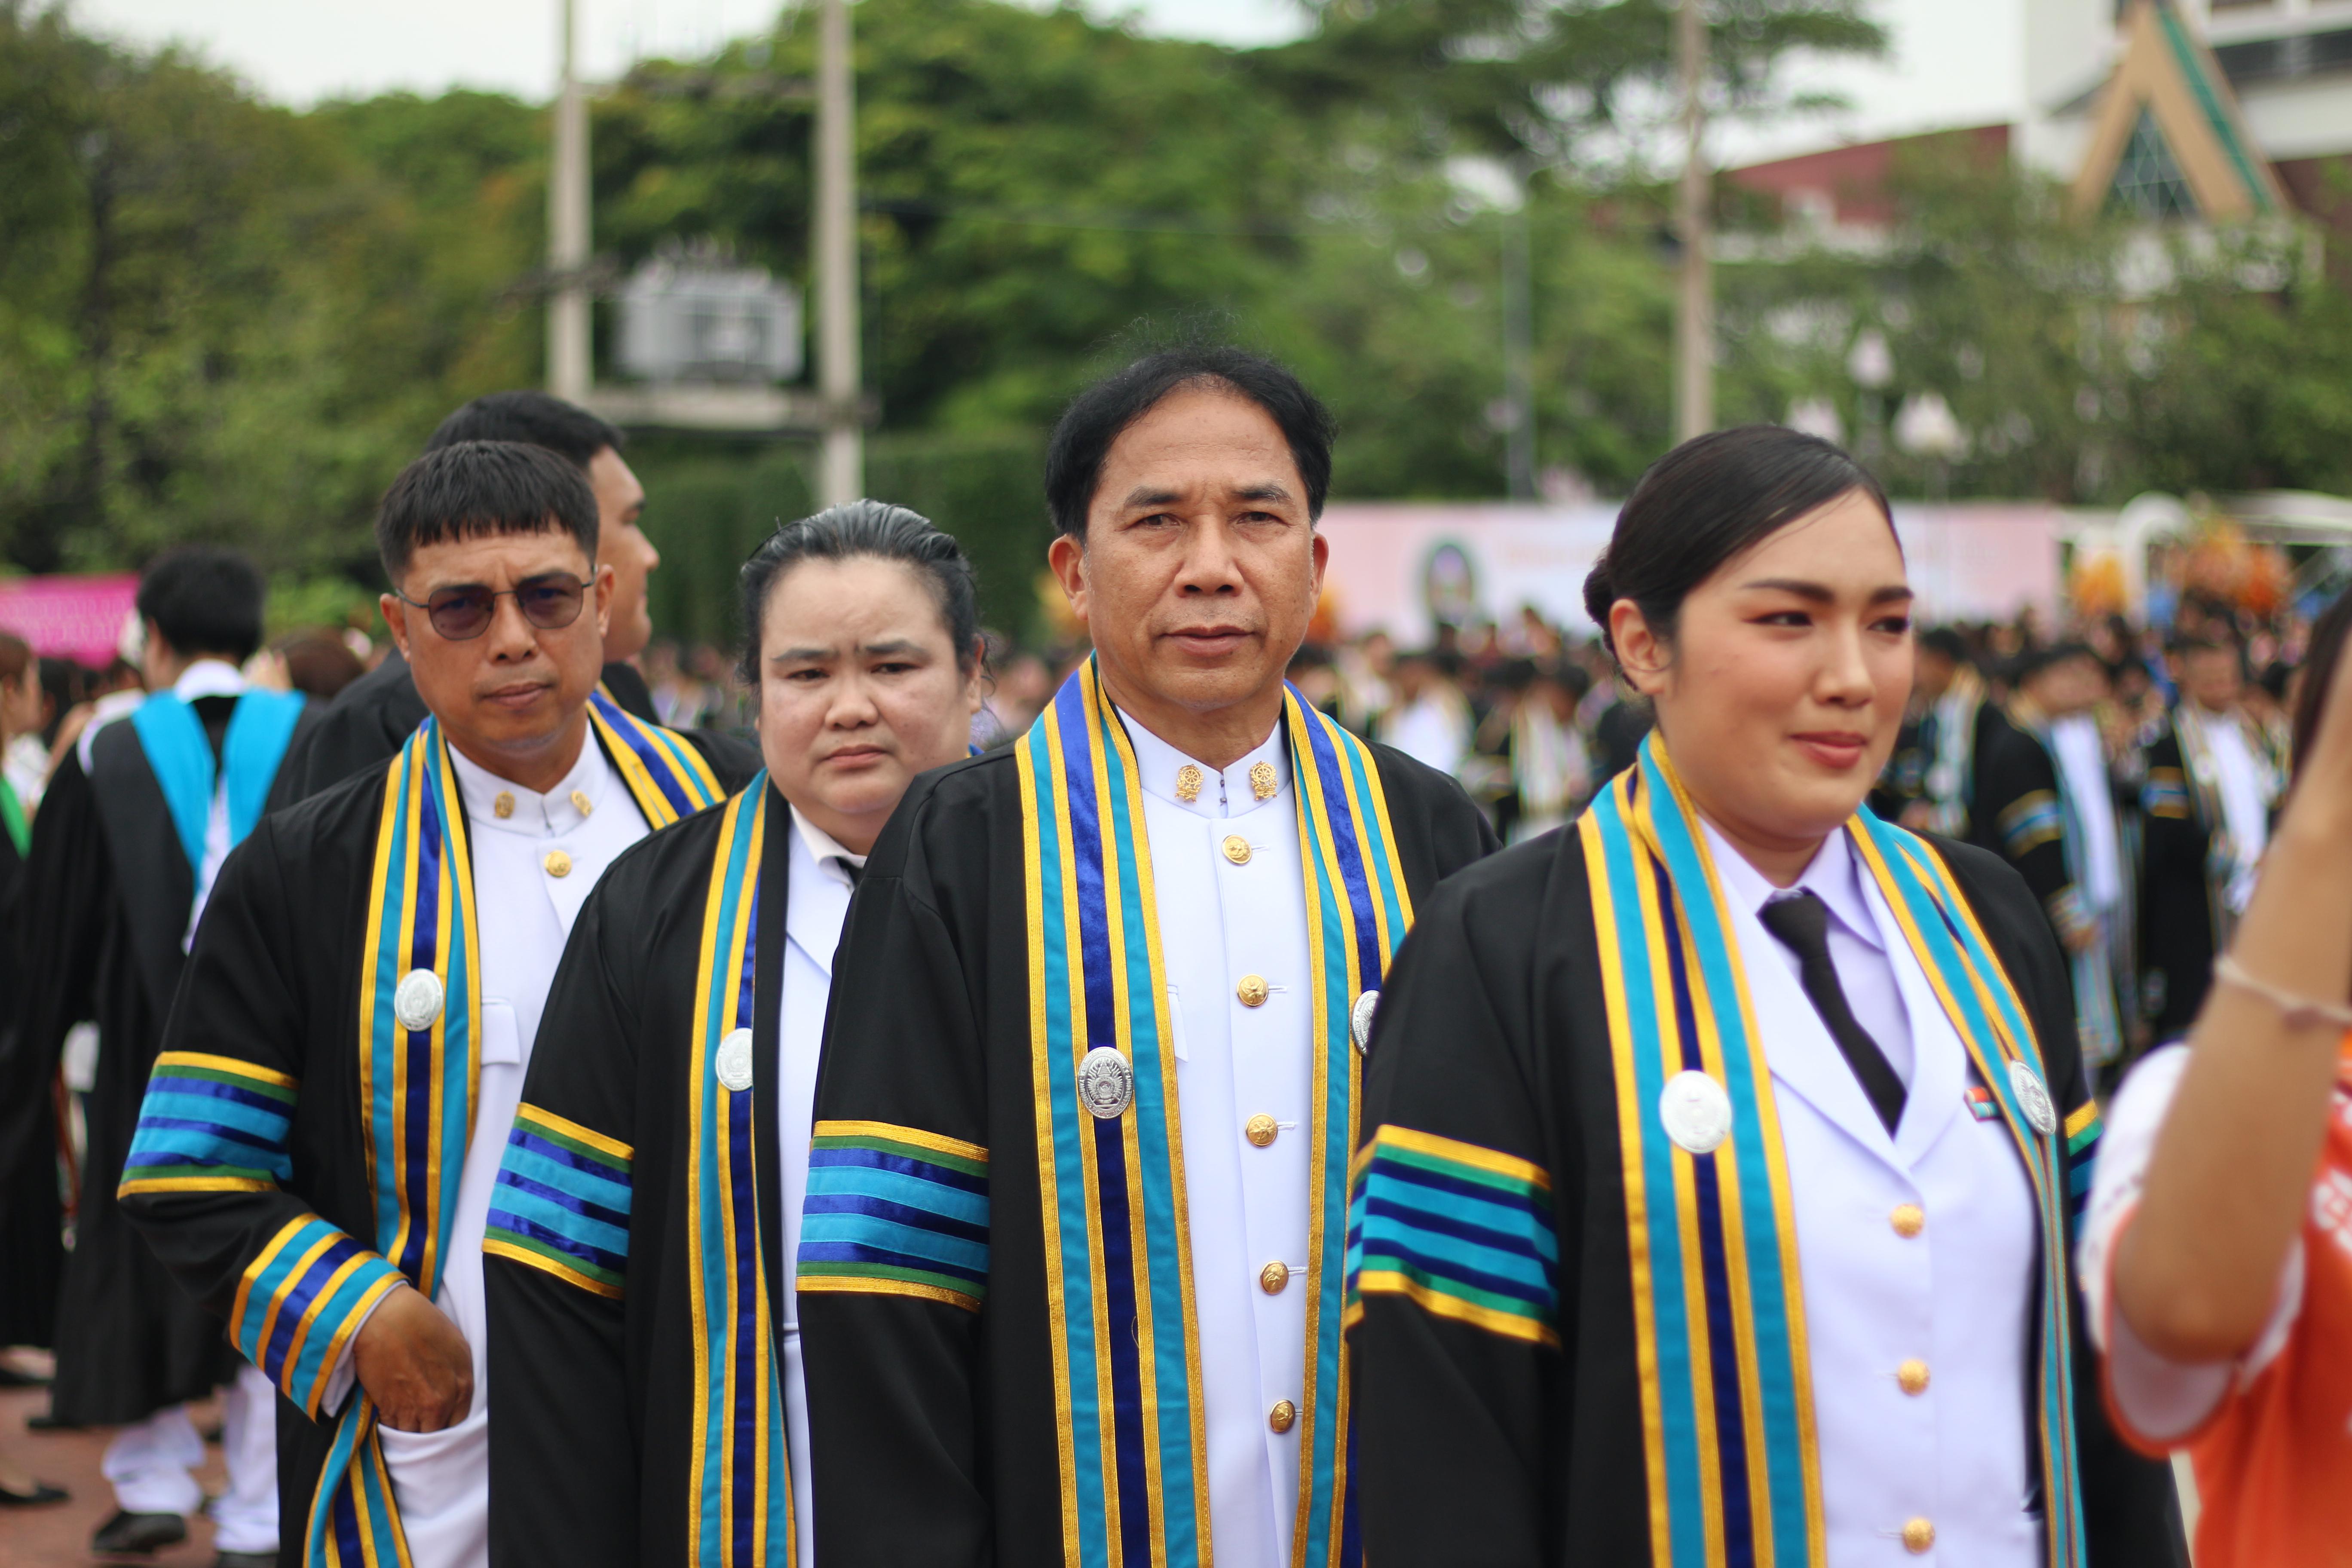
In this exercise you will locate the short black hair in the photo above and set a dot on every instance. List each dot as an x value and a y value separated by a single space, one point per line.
478 487
1945 640
205 598
534 419
1704 503
865 528
1098 416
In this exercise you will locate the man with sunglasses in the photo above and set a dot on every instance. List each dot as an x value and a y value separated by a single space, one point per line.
320 1136
367 722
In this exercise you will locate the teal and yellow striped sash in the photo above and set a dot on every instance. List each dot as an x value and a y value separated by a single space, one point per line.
1126 1355
739 1490
1727 1399
418 1088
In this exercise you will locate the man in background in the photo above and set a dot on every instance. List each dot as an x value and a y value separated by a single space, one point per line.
2212 781
371 719
143 811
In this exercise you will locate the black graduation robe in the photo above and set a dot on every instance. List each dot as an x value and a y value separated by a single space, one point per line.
372 718
2019 805
591 1440
932 1429
1477 1449
2179 906
273 981
113 889
31 1252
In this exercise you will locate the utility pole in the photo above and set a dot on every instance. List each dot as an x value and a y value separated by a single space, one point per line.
1518 344
568 364
841 471
1695 315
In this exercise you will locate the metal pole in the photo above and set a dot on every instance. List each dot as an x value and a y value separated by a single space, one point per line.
1695 315
1518 349
568 367
842 472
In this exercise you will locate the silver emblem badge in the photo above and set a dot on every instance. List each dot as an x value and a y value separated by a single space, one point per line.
417 1000
2033 1099
1359 1020
1106 1083
733 1063
1696 1113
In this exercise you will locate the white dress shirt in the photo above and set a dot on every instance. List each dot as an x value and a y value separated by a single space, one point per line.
816 898
522 913
1955 1298
2082 774
2244 785
1248 1206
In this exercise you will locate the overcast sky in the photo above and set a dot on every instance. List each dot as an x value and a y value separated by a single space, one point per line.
1955 62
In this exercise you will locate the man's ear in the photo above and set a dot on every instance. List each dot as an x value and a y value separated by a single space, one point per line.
394 610
1068 557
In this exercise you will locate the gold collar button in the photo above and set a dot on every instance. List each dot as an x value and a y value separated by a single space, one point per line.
558 863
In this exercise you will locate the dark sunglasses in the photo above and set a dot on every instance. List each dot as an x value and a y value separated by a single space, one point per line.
549 602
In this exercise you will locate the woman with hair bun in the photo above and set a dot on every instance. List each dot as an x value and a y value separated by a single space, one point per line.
1721 1153
641 1244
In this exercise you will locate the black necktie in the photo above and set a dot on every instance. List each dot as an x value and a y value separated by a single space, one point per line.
1801 921
849 868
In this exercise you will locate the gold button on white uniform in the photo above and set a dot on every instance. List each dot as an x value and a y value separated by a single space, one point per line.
581 802
503 805
1237 850
1911 1376
1919 1535
1909 1219
558 863
1261 1129
1283 1416
1251 991
1273 1278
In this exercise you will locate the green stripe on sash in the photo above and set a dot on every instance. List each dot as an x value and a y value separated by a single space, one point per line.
1126 1354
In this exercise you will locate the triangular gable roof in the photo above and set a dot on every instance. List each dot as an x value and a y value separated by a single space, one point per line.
2168 76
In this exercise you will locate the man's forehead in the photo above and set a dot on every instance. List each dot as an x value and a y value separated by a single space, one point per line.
477 556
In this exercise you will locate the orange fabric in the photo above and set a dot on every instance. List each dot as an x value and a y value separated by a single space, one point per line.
2274 1465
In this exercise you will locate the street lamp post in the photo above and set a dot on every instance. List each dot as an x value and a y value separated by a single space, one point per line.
567 225
842 469
1695 316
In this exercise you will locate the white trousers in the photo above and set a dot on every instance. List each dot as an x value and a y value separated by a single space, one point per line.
152 1464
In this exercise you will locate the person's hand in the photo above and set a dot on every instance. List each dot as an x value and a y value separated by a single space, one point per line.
414 1365
2323 783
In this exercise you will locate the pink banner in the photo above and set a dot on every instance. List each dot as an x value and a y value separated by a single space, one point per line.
79 619
1392 563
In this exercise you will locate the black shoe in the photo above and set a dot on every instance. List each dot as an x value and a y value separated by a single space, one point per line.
42 1493
47 1422
11 1378
138 1533
246 1560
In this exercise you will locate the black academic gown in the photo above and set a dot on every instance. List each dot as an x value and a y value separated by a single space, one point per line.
1476 1450
933 1429
2019 803
591 1444
374 716
113 889
2178 906
32 1253
274 980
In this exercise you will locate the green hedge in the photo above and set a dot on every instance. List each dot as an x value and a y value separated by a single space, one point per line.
707 510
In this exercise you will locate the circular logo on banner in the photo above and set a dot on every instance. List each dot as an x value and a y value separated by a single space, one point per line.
417 1000
1696 1113
2033 1099
1359 1020
1106 1083
733 1062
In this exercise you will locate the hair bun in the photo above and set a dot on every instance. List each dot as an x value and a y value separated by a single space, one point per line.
1600 593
